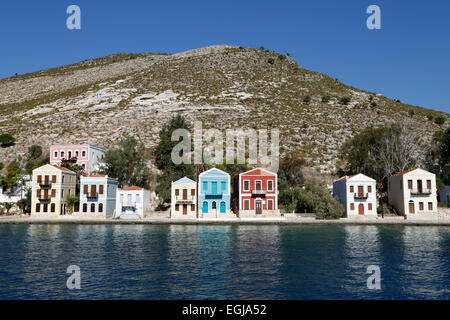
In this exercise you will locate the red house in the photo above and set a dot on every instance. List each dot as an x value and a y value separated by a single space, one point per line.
257 193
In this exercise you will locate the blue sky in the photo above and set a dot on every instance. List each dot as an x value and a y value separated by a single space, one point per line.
408 59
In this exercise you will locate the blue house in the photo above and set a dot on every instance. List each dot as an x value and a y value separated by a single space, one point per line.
214 193
98 195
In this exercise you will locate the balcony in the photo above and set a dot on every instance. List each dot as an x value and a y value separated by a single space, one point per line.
180 199
361 196
45 185
258 192
420 192
129 206
92 196
44 199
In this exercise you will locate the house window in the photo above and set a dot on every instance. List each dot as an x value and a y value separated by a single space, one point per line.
351 189
410 185
246 204
62 154
369 189
138 198
100 207
192 207
352 206
177 207
430 206
214 205
92 207
54 178
38 193
38 207
192 192
69 154
45 207
85 189
39 179
270 186
258 185
121 199
83 165
370 207
177 192
428 184
52 207
100 189
269 204
223 186
53 193
421 206
83 153
129 199
77 153
55 154
246 185
205 186
84 207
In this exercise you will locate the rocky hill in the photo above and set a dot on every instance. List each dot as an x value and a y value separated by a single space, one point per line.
101 100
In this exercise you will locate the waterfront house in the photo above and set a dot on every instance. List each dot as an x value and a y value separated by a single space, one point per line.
357 193
84 155
214 194
413 192
257 193
98 195
184 199
50 187
132 202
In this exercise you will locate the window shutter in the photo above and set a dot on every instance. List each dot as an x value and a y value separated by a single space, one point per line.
38 193
100 189
192 192
54 179
53 193
85 191
177 192
39 178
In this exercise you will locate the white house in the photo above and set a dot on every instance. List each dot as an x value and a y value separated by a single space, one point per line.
357 194
97 195
132 202
184 199
413 192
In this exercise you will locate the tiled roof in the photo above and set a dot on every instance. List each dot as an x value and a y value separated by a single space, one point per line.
62 168
345 178
402 173
97 175
132 188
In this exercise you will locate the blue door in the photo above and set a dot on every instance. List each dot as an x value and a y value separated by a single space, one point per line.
205 207
222 207
214 187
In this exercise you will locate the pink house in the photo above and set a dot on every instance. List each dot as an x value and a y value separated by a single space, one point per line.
84 155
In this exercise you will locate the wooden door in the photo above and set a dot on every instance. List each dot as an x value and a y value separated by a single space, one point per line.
258 207
411 207
184 206
361 209
419 186
361 192
258 185
184 194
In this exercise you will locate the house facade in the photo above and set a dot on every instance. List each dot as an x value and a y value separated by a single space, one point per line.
184 199
413 192
97 195
214 194
132 201
257 193
50 187
358 195
84 155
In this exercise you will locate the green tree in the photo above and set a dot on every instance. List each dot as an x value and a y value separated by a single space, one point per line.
25 203
13 172
34 152
315 198
6 140
441 150
128 163
71 200
163 159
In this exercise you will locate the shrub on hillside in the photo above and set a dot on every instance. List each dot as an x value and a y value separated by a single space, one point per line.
326 99
345 100
439 120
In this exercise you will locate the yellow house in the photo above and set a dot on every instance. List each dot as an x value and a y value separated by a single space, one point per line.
184 199
51 185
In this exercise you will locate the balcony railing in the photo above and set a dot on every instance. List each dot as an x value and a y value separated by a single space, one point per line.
257 191
361 196
92 196
45 185
181 199
129 206
420 192
44 199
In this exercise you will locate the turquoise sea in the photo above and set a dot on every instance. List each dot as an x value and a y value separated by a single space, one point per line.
224 262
